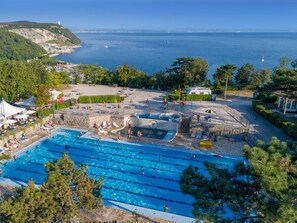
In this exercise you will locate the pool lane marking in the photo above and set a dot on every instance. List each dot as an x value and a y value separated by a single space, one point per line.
117 189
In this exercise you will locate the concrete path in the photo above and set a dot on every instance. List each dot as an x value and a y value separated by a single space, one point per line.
263 129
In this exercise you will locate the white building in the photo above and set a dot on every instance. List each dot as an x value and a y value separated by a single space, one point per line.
198 90
291 104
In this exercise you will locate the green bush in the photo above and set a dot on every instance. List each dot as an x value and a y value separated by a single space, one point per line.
259 108
62 105
4 157
198 97
44 113
270 99
255 103
100 99
279 121
218 91
273 117
266 113
292 131
172 97
286 126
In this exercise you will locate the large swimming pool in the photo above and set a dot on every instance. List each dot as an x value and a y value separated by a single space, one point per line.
141 175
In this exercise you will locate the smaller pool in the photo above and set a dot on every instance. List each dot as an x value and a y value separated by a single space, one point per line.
151 133
159 116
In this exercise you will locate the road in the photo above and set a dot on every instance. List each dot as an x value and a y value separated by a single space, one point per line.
262 127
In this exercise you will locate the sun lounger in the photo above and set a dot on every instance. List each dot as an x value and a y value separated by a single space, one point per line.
101 131
115 125
44 128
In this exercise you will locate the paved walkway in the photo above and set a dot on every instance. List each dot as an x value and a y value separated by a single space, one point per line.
262 127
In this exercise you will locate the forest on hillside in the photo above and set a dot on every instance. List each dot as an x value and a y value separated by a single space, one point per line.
52 27
16 47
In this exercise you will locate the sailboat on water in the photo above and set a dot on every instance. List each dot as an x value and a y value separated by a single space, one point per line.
263 59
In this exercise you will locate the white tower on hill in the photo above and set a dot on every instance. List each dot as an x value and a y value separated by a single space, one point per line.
59 23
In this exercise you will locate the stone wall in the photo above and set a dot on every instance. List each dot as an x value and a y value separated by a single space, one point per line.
84 121
89 121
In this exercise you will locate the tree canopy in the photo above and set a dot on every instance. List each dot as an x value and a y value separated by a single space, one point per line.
265 190
16 47
66 190
186 72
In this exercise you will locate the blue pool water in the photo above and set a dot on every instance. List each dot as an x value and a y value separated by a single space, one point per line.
121 166
158 116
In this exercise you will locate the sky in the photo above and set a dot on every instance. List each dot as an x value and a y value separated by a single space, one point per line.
156 14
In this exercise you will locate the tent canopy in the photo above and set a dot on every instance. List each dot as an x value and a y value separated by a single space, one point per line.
8 122
29 102
21 116
29 112
8 110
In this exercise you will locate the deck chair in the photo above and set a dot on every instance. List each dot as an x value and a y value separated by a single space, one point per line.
115 125
101 131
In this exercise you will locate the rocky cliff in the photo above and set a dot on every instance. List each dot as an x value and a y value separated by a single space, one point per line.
54 44
54 38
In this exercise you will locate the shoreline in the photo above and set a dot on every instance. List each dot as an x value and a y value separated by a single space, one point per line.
61 50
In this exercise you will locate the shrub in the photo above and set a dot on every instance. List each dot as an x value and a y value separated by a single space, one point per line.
259 108
44 113
100 99
279 121
172 97
292 131
269 99
266 113
4 157
286 126
198 97
218 91
60 96
59 106
273 117
255 103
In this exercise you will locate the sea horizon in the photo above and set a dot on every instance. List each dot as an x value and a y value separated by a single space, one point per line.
184 30
153 51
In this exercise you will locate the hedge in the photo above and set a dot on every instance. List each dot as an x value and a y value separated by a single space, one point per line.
58 106
259 108
172 97
288 128
191 97
198 97
273 117
270 99
100 99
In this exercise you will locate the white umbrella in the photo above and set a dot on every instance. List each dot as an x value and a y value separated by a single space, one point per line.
8 121
30 112
21 116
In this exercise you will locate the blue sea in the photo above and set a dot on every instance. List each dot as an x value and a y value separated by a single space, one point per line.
154 51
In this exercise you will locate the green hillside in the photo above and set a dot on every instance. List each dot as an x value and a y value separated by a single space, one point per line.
16 47
54 28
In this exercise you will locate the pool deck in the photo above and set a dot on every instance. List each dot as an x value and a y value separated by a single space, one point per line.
149 212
